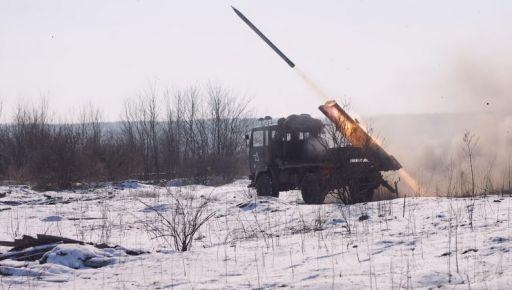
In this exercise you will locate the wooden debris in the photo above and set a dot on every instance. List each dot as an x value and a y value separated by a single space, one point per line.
7 244
12 202
85 218
29 241
28 254
29 248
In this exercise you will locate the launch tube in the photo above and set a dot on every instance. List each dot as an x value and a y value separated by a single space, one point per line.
358 137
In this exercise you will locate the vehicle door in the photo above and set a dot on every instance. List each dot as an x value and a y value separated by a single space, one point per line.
258 150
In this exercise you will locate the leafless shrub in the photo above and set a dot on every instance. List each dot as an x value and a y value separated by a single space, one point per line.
178 226
105 225
248 193
347 215
507 178
450 176
14 224
470 142
4 137
320 218
487 179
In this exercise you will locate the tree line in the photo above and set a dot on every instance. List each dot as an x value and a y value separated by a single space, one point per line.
195 132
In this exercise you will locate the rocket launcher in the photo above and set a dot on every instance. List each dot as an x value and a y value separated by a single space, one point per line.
358 137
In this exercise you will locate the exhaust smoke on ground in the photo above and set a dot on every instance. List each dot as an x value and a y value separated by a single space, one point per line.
476 96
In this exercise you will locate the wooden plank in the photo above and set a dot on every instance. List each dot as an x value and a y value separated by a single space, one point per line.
50 238
24 242
28 252
7 244
85 218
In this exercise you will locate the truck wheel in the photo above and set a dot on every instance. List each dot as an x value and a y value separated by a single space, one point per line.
264 185
362 196
311 189
360 191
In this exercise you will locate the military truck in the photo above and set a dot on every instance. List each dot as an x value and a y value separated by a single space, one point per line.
295 153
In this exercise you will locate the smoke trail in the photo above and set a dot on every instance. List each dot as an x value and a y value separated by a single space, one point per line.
312 84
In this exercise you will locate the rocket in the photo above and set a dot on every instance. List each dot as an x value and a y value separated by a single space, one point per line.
264 38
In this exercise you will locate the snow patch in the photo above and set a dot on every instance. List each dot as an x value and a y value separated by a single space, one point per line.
157 207
52 218
130 184
79 256
264 204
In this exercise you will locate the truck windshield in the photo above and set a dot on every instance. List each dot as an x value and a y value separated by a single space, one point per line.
258 139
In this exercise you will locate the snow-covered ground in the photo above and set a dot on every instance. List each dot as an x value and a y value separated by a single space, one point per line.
260 243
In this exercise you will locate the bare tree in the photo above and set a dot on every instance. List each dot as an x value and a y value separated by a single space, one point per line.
173 132
197 136
30 134
141 128
89 120
191 96
91 146
227 115
4 137
203 133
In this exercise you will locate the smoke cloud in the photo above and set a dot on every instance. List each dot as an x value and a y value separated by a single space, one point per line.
476 90
480 83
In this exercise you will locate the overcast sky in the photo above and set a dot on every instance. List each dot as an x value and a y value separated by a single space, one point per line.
385 56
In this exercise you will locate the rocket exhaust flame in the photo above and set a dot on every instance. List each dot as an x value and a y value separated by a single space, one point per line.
411 182
358 137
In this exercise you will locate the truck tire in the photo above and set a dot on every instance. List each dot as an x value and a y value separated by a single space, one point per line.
312 189
264 186
360 191
361 196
